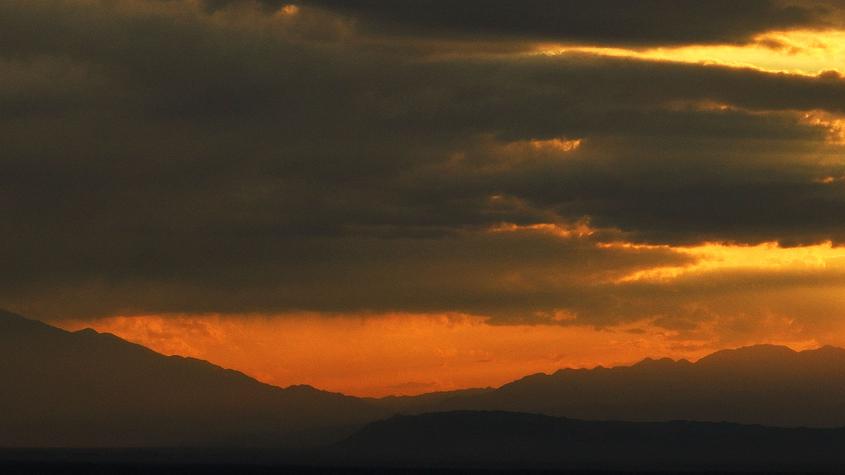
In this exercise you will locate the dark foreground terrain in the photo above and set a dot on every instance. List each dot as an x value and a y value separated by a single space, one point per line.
475 441
209 469
214 469
509 440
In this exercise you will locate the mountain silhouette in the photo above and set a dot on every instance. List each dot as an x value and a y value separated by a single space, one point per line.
763 384
87 388
501 440
90 389
425 402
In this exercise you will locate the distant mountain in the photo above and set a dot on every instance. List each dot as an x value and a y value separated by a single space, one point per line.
765 384
89 389
84 389
424 402
530 441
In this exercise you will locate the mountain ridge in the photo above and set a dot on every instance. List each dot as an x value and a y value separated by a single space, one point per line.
87 388
503 440
752 385
93 389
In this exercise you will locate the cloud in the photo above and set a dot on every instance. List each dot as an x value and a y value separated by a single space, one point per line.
166 156
511 274
647 22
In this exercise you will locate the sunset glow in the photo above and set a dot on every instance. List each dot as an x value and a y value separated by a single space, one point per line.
377 197
808 53
761 257
380 355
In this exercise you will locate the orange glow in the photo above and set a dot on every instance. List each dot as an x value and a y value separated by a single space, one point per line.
806 53
402 353
834 125
560 145
767 256
578 229
829 180
376 355
289 10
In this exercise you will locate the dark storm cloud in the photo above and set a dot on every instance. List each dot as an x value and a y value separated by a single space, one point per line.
645 22
504 274
267 5
162 157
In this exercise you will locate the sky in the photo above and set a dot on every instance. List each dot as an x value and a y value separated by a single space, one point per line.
395 197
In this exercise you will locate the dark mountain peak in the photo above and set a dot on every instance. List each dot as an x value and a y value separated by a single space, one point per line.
647 363
436 394
657 363
427 401
827 358
531 379
306 388
5 314
756 384
755 354
127 394
826 350
7 317
86 331
311 391
13 323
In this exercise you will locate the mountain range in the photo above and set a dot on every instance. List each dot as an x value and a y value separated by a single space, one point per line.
763 384
509 440
90 389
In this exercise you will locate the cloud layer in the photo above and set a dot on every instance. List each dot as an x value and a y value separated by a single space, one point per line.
647 22
259 157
